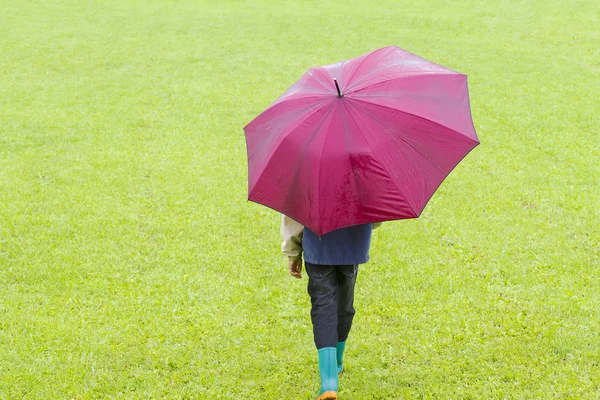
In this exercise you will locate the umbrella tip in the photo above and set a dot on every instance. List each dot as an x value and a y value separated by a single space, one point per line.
338 88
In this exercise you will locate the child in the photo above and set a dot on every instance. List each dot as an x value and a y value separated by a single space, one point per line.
331 263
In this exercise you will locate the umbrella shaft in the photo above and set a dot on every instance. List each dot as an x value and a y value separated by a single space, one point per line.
338 88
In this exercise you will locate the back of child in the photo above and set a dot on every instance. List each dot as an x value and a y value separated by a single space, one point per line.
331 263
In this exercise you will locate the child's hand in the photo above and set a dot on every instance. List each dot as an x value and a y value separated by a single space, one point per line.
295 268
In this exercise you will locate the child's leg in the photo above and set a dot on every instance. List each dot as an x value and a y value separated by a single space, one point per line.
322 288
346 278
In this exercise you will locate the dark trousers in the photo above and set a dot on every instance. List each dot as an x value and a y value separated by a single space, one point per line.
331 290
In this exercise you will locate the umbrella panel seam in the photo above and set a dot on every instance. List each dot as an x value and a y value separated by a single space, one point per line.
373 152
416 116
403 78
283 139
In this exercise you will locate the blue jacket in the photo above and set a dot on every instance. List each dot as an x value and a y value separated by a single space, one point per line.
346 246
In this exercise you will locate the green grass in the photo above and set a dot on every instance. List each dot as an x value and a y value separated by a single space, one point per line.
131 265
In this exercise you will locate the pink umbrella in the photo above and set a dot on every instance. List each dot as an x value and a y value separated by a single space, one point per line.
374 147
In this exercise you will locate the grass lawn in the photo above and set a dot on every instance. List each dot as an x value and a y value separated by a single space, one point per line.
132 266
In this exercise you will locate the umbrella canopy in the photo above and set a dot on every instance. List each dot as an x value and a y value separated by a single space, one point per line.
369 139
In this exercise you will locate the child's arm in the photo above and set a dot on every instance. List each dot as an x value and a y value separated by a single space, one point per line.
292 245
291 231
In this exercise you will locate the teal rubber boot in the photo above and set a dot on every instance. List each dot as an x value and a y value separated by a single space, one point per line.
340 356
328 371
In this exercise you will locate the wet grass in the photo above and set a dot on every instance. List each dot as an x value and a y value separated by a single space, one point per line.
131 265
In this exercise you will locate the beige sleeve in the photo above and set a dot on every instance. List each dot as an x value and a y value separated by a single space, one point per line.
291 231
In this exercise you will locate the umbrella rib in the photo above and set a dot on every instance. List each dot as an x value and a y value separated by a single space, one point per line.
359 65
300 121
306 146
400 137
283 100
420 74
266 164
325 79
414 115
373 152
279 102
321 157
354 73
